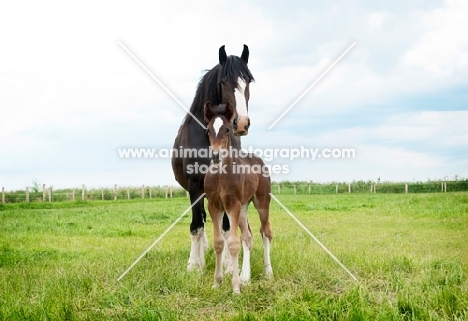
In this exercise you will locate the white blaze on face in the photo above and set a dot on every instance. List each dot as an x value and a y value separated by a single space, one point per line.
217 125
241 102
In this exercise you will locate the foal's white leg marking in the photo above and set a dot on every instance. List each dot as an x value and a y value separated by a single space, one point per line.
239 95
266 260
227 259
197 255
217 125
218 244
245 272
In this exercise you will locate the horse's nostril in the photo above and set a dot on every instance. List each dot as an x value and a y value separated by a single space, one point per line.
247 126
234 123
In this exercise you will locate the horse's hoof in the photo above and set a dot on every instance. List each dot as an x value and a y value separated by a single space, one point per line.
245 279
245 282
269 272
193 267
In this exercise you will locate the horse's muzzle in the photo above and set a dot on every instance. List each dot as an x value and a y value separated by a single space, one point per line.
241 126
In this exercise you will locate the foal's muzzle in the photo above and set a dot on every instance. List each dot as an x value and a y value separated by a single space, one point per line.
215 157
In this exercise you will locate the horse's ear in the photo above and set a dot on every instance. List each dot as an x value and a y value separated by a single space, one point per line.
228 112
208 111
222 55
245 54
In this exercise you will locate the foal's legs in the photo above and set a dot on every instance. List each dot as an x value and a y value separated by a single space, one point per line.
246 238
233 212
262 204
218 242
227 260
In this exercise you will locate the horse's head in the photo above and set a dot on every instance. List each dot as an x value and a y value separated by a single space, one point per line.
233 81
218 129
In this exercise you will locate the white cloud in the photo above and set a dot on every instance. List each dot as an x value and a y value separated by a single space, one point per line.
431 127
377 19
443 48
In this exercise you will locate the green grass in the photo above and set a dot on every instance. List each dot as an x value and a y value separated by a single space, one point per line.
60 261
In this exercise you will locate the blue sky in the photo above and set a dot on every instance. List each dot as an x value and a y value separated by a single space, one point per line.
71 96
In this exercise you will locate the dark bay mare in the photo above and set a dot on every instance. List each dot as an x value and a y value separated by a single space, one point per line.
234 180
227 82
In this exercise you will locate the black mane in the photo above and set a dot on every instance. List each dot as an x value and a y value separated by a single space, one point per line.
209 86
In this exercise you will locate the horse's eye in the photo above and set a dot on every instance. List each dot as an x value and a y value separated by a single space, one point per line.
227 129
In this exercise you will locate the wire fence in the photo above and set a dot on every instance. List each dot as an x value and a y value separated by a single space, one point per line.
48 194
369 187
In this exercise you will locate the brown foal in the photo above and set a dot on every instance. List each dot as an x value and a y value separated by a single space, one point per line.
234 180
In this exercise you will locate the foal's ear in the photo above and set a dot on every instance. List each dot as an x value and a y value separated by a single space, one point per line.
222 55
245 54
208 111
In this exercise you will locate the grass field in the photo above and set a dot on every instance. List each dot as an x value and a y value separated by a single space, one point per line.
60 261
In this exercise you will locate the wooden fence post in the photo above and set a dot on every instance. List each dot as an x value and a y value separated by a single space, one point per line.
82 192
309 188
43 192
102 194
406 188
336 189
3 195
294 186
166 192
171 191
128 193
374 188
73 194
115 192
445 187
27 194
150 192
142 192
279 189
50 194
349 188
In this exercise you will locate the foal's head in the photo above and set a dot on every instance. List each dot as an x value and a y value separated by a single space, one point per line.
219 129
